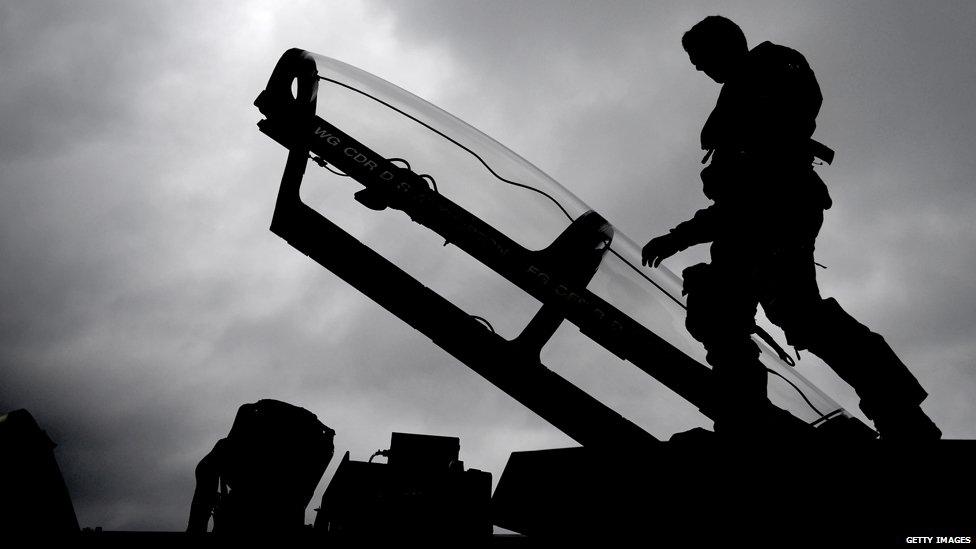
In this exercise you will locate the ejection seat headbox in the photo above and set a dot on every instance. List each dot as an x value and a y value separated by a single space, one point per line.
296 68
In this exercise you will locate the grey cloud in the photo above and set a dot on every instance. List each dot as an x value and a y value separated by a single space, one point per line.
143 298
85 64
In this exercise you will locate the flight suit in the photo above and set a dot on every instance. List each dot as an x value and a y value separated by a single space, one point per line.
767 210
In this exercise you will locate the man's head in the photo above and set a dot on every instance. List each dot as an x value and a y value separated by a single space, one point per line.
715 46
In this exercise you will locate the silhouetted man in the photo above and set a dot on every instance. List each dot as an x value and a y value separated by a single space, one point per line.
767 209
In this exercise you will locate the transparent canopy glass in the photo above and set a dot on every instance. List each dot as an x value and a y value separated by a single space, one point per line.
521 201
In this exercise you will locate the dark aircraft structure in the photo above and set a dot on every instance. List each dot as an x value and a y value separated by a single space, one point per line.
556 283
34 499
260 478
564 263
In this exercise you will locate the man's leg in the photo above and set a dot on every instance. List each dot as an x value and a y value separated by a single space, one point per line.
890 395
721 315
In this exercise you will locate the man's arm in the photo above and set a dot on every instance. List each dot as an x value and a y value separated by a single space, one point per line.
697 230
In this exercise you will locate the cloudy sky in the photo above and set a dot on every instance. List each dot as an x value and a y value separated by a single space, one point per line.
143 299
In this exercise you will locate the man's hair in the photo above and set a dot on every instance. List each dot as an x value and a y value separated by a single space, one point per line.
714 30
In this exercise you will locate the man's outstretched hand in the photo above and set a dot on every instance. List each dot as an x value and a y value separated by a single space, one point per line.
659 249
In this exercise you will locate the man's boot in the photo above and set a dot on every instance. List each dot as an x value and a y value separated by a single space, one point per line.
890 394
902 422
